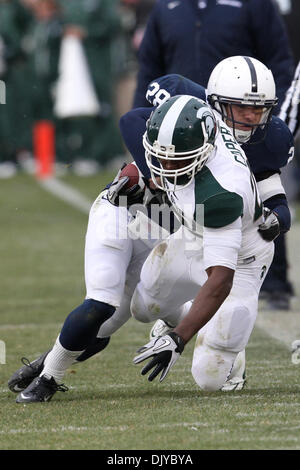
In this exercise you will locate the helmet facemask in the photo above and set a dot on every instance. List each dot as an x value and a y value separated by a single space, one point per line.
224 106
179 178
188 158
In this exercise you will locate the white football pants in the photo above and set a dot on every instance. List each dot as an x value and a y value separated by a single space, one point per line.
172 275
114 256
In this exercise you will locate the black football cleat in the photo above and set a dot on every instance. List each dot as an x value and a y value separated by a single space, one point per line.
25 375
40 390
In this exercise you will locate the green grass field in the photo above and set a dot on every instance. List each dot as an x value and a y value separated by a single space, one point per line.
109 405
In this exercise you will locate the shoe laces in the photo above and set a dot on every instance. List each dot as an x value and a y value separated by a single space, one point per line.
55 386
62 388
26 362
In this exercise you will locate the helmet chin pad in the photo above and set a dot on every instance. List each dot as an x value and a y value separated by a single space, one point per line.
242 136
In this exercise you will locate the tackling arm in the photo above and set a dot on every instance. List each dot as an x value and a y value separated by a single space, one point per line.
274 199
132 127
165 350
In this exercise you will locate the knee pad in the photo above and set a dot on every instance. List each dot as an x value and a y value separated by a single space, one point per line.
148 309
231 328
211 367
161 270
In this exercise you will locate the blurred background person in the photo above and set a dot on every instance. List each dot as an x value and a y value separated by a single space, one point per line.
16 114
290 11
190 37
278 276
33 34
133 15
43 40
91 141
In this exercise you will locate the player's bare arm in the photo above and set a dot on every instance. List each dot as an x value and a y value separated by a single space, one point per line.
210 297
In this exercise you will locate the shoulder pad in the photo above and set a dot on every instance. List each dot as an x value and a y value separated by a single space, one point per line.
273 152
279 140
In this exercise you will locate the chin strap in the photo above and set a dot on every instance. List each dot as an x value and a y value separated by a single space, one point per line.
242 136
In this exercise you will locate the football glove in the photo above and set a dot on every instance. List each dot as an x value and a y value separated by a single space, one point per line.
155 196
165 351
134 194
270 228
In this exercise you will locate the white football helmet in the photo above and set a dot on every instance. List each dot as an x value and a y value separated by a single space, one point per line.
182 130
241 80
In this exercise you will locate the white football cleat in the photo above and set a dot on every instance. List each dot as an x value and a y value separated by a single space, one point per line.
237 377
160 328
295 344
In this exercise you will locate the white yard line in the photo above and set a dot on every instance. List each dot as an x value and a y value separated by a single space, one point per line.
193 425
26 326
67 193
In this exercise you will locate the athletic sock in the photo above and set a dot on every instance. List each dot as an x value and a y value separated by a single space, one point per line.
58 361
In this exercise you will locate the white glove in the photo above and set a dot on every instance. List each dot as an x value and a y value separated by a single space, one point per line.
165 351
270 228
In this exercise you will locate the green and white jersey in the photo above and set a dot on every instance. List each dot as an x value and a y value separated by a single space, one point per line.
226 191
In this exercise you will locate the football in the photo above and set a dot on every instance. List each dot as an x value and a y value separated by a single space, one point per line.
135 176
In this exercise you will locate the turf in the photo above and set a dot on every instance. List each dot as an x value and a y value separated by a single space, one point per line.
109 405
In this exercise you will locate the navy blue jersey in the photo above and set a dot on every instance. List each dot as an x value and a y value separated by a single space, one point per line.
269 154
274 151
190 37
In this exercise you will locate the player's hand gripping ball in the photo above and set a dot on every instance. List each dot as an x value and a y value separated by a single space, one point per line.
129 183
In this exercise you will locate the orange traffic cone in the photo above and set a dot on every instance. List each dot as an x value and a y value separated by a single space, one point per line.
44 148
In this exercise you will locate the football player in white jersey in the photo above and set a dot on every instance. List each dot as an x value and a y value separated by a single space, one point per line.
101 288
107 258
220 263
243 91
